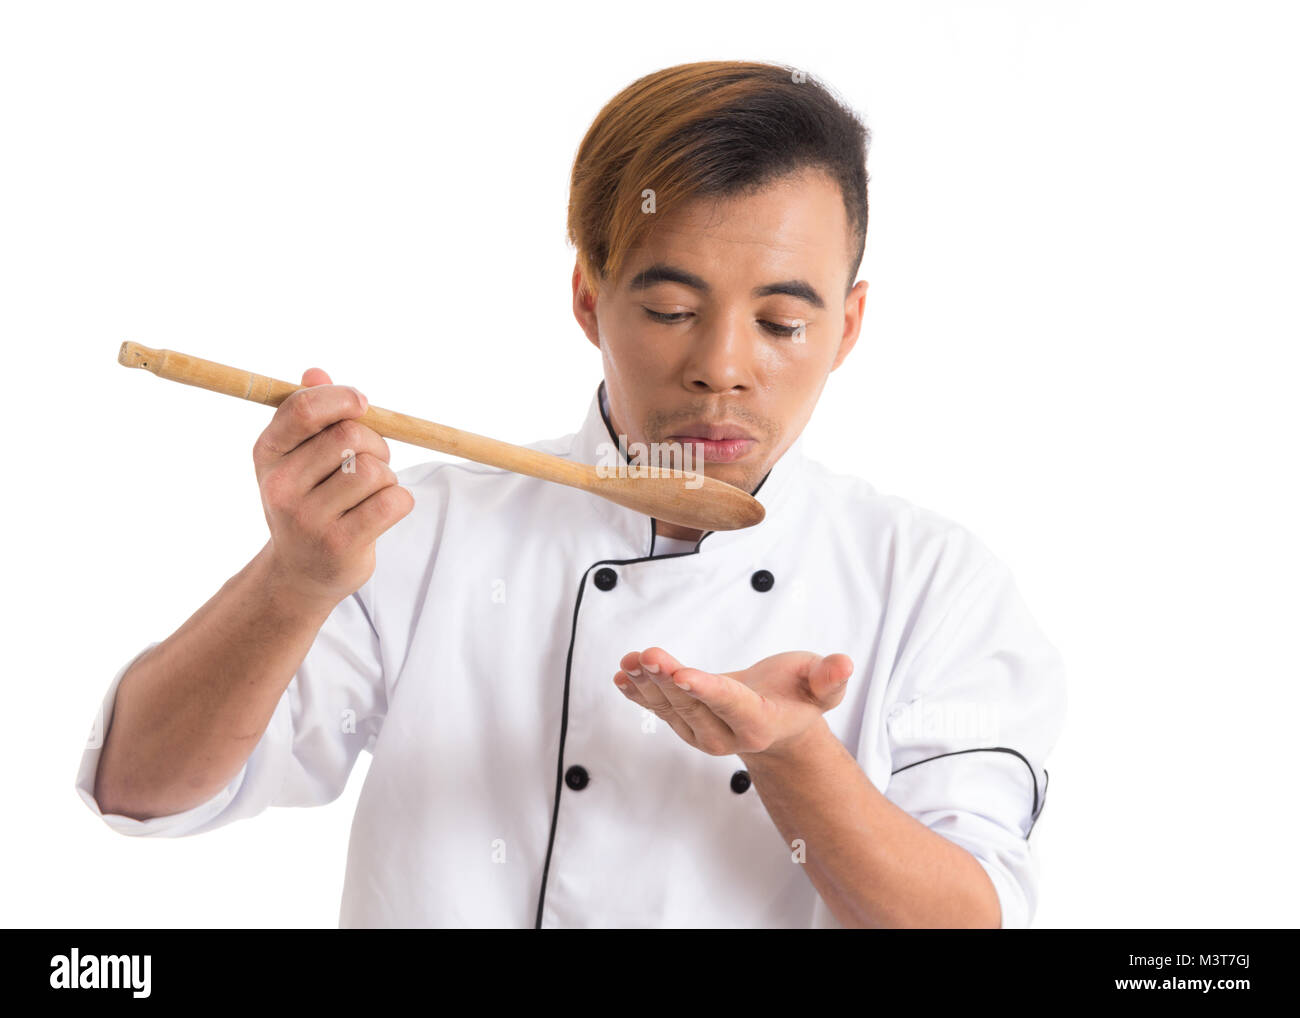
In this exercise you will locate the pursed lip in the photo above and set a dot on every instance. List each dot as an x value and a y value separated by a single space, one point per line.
712 432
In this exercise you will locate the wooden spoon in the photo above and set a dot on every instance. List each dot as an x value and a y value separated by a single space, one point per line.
673 496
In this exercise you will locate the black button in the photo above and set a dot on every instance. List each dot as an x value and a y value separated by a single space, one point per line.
740 782
576 777
762 581
606 578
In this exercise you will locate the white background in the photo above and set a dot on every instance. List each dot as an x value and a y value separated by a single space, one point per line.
1080 342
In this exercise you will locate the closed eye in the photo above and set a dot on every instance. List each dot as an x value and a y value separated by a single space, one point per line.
675 317
667 317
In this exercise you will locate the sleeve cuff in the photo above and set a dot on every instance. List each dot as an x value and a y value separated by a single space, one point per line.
1015 913
172 825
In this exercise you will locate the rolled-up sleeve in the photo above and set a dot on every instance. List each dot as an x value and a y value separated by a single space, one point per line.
973 719
332 709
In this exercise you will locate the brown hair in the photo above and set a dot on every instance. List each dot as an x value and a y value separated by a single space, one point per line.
714 129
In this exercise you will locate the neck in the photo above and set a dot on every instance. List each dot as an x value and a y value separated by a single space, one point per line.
677 533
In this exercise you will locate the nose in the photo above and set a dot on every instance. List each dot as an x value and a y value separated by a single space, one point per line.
721 356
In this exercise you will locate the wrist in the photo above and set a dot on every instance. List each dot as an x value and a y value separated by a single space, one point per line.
285 595
793 748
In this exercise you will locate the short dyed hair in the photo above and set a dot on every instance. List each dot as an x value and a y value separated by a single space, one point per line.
713 129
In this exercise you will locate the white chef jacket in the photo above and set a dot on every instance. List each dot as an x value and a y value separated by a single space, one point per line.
513 785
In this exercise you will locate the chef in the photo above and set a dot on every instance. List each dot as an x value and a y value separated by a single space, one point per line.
579 716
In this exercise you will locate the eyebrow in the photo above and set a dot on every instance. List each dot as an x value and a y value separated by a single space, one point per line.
663 273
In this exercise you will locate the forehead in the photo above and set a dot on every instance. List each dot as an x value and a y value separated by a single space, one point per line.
796 221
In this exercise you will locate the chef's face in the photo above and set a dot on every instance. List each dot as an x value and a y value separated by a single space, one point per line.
732 315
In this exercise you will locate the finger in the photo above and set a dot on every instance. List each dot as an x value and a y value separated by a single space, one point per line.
316 376
332 450
304 413
344 490
638 687
712 734
731 701
628 688
366 522
724 695
651 695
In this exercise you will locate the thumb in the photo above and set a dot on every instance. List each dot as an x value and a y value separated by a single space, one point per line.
315 376
829 677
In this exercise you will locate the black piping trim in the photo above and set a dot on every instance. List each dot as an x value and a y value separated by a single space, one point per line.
993 749
568 661
564 713
1046 780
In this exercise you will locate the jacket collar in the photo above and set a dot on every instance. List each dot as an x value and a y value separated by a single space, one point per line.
776 491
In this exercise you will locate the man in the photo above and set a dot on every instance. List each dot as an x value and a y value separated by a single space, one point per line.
583 717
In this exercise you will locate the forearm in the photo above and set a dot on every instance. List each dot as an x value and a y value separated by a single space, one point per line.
873 864
188 713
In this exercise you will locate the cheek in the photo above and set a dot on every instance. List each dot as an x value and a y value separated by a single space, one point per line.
632 354
623 330
792 375
813 356
637 345
794 361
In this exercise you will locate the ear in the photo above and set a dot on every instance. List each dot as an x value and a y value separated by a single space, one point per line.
854 304
584 308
